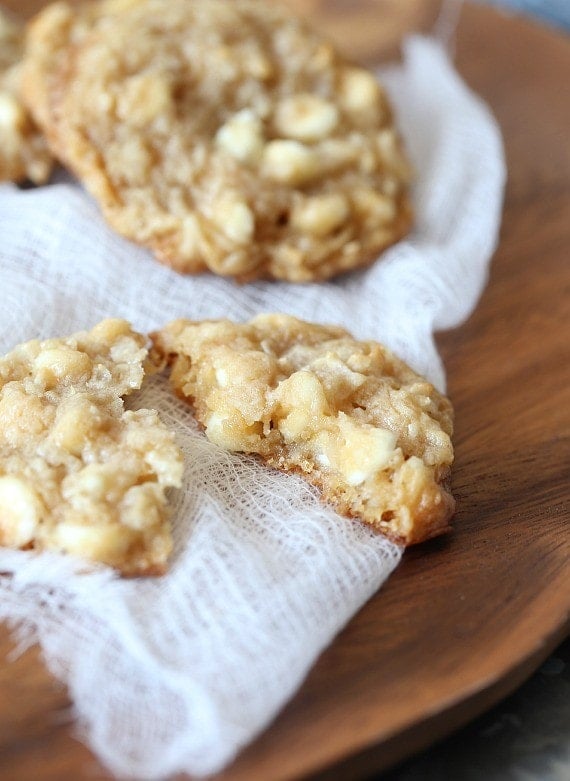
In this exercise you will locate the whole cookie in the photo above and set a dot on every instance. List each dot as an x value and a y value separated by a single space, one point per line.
223 134
349 416
24 152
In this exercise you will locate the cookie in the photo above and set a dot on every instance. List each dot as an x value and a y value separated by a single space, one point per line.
349 416
23 150
223 134
78 473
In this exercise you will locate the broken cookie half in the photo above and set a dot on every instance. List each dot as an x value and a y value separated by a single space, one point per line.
78 473
349 416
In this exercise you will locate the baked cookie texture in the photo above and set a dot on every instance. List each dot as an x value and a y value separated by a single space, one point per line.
78 473
24 152
223 134
349 416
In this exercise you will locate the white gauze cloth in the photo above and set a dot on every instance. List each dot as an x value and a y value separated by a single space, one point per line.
177 673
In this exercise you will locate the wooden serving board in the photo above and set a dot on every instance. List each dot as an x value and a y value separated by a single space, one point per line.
464 620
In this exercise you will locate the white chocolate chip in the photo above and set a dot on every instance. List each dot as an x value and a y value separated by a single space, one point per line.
62 363
20 512
77 420
236 220
358 450
289 162
110 329
222 377
305 117
321 215
190 236
93 542
302 403
359 91
242 136
140 506
93 483
11 113
229 430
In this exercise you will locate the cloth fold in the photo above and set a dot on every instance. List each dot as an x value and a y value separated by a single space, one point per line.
178 673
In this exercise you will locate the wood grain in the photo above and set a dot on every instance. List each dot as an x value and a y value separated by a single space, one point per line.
465 620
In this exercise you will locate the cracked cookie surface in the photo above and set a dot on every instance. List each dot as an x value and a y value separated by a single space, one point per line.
78 473
348 415
24 152
223 134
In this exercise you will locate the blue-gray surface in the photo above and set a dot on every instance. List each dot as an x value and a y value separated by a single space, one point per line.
526 737
557 12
